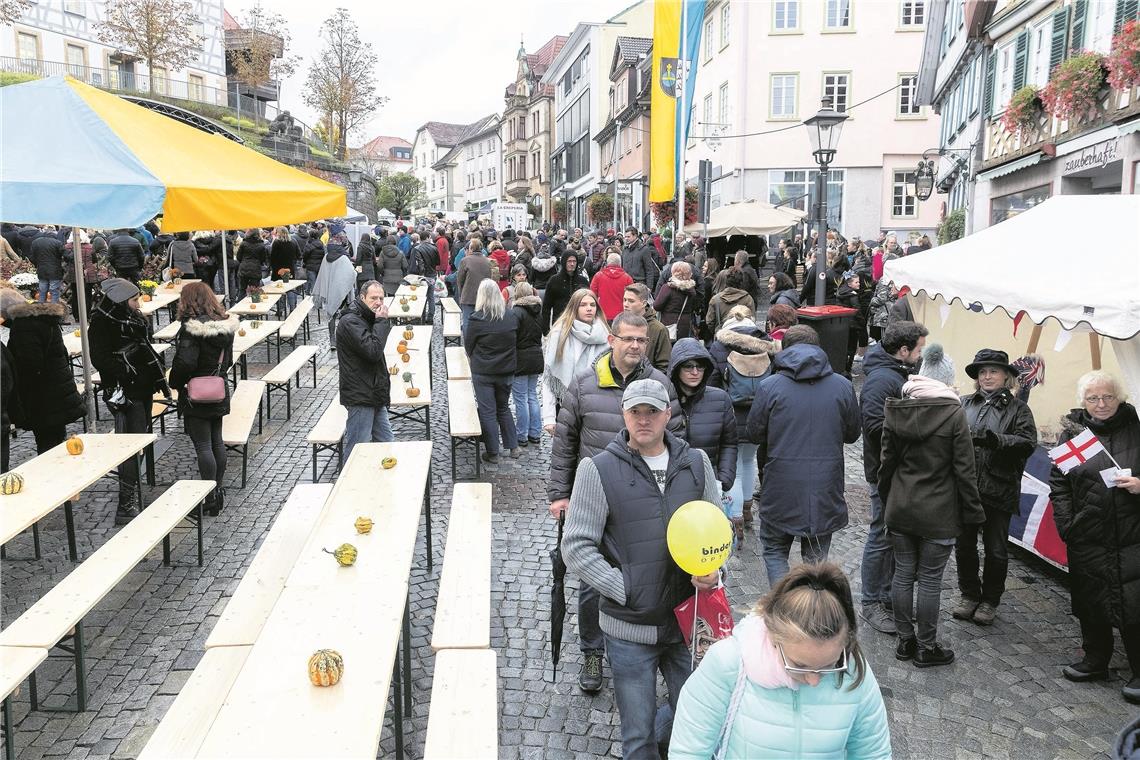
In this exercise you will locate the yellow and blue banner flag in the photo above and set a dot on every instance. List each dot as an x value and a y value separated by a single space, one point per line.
677 28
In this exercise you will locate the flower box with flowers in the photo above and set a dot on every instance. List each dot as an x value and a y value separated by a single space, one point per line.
1074 89
1023 111
1124 61
27 282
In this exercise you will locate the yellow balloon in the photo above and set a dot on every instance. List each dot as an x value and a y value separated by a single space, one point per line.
699 537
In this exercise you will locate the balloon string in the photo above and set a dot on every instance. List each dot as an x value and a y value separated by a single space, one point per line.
693 637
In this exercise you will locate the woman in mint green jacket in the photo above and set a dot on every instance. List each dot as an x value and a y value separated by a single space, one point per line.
791 681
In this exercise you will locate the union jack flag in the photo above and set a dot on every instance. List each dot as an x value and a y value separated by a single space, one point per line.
1033 527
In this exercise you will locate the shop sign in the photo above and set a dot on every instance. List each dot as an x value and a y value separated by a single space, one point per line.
1093 157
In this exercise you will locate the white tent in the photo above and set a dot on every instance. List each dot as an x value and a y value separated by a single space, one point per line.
1077 291
747 218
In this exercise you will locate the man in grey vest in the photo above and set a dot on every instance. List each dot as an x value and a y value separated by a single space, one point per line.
620 507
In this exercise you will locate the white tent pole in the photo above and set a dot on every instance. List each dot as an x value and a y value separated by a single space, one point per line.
225 269
81 302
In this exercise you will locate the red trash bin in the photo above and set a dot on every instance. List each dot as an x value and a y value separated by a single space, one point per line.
832 323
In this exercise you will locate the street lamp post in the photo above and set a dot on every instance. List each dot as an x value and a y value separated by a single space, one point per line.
823 131
354 177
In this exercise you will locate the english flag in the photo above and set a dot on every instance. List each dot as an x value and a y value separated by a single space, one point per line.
1076 451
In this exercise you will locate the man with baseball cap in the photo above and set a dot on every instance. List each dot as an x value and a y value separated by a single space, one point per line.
620 506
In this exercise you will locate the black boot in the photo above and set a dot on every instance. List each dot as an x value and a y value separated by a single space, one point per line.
219 500
128 505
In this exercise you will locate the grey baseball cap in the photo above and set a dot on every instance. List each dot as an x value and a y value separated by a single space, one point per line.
650 392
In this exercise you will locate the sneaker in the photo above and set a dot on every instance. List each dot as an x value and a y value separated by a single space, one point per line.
965 609
523 443
878 618
534 438
1131 691
985 614
590 679
490 458
933 657
516 452
1085 671
906 649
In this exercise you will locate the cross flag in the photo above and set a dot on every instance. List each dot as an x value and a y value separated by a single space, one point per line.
1076 451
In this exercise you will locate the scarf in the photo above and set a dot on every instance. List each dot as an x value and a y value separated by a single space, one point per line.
760 657
919 386
732 322
586 343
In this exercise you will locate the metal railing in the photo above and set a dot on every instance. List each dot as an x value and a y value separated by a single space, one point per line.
212 102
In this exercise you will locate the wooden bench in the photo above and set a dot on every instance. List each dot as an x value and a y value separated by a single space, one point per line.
248 608
458 365
281 377
448 304
58 615
298 321
463 420
168 333
328 434
186 722
238 424
452 328
463 604
463 720
16 664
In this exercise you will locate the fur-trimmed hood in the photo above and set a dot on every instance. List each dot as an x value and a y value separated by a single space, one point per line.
682 285
745 343
529 301
36 309
200 328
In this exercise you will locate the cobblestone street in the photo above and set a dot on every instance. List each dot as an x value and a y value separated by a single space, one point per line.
1003 698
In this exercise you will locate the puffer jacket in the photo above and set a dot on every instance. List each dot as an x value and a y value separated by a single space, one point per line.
183 256
789 297
542 267
44 382
313 254
47 257
710 422
120 339
392 268
748 340
491 344
125 253
609 287
202 345
884 378
1001 461
251 256
360 340
801 417
366 260
528 340
926 478
830 721
591 416
1101 525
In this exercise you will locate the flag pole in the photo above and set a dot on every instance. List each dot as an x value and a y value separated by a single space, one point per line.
682 126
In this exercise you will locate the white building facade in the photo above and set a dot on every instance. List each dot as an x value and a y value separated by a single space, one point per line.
433 141
756 83
480 164
61 37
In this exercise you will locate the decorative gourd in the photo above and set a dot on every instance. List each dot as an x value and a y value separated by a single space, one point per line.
408 334
403 301
394 369
406 357
415 297
170 285
345 555
241 331
252 306
388 462
76 333
74 445
412 392
10 483
413 287
363 525
401 347
405 307
326 667
144 297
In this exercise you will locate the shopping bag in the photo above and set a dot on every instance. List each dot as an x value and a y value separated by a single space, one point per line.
713 620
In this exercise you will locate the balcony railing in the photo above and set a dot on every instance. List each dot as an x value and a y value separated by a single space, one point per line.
211 102
1003 146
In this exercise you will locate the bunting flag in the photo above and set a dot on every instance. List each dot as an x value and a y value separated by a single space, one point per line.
677 26
1017 322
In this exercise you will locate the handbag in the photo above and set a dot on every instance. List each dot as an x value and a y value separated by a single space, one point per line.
673 327
207 389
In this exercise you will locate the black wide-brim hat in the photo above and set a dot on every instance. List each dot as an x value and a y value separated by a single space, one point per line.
990 357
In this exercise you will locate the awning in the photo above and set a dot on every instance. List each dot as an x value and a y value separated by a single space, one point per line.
1130 127
1011 167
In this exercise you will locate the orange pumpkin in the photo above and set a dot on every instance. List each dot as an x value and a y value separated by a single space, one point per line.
74 445
406 357
401 348
408 334
412 392
326 667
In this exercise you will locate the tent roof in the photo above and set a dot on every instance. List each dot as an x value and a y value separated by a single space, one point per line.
75 155
747 218
1033 262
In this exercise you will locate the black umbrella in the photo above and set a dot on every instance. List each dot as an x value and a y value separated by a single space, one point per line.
557 599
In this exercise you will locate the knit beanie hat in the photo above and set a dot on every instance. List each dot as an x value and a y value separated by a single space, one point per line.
937 365
119 290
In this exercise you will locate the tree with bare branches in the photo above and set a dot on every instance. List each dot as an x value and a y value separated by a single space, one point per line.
342 80
263 55
160 32
12 10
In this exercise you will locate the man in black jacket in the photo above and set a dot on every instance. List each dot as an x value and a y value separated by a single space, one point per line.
886 367
429 256
639 260
365 384
125 253
46 254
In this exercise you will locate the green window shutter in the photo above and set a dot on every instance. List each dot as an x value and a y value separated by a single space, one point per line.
1080 15
1060 34
1020 60
988 90
1125 12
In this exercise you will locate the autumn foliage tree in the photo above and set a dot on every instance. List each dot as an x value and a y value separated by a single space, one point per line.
400 193
12 10
160 32
341 81
263 55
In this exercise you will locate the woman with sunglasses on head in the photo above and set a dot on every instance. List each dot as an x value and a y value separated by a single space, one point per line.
790 682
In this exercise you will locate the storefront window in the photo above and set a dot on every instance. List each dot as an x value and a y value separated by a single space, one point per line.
797 187
1008 206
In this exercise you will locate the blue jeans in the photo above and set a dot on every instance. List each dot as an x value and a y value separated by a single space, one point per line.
493 395
634 668
920 561
310 281
878 556
49 286
465 313
741 490
528 412
366 424
777 547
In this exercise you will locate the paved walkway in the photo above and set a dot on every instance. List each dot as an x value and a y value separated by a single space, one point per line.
1004 697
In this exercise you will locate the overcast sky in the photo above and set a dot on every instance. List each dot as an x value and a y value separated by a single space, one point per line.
438 60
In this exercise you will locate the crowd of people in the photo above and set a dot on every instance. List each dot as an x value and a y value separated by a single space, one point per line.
662 375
